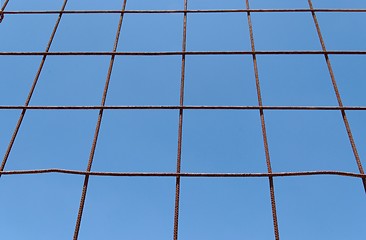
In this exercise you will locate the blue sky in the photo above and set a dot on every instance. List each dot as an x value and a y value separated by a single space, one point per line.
214 141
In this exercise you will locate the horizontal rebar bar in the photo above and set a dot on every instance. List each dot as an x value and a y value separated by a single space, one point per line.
180 11
174 174
169 53
176 107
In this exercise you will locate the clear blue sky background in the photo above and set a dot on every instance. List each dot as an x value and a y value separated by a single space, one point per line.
45 206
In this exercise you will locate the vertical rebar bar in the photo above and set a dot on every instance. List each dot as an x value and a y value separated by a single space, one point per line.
31 91
180 124
338 95
263 125
97 128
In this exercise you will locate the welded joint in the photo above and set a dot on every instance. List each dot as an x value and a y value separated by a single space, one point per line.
1 15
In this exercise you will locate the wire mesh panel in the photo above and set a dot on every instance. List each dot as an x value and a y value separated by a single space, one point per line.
182 119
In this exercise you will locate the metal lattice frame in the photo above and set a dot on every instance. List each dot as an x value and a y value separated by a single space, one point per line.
270 175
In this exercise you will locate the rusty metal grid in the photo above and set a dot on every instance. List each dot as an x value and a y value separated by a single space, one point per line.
178 174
